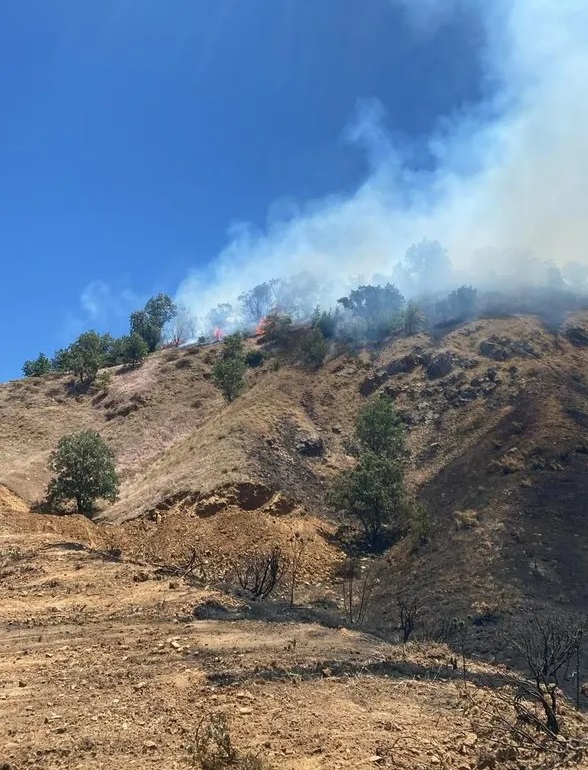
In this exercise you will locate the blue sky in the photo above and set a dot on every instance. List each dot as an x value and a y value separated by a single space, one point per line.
133 133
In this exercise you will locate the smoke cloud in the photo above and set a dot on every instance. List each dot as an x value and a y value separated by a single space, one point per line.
507 192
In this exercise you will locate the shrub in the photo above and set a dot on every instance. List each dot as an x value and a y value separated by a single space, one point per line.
103 380
229 368
465 519
37 367
413 318
84 468
326 321
254 358
313 348
277 330
419 524
359 582
229 376
409 610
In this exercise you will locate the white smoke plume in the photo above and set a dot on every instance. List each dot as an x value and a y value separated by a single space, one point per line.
508 191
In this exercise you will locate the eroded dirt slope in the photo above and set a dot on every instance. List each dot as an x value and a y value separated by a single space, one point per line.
106 664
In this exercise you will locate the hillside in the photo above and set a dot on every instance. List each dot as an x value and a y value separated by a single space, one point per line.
505 439
497 422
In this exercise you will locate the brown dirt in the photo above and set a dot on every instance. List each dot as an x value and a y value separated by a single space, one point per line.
104 665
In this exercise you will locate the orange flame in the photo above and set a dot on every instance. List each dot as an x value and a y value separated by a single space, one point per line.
218 334
260 328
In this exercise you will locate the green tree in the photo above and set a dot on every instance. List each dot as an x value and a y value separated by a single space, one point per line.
37 367
87 354
373 492
379 429
148 323
84 470
229 368
62 360
134 349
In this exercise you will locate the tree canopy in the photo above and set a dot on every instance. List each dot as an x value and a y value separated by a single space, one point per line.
84 470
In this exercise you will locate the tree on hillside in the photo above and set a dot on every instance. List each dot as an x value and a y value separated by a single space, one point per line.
86 355
218 317
148 323
181 328
379 306
229 368
84 470
259 301
427 265
37 367
460 305
373 492
134 350
379 429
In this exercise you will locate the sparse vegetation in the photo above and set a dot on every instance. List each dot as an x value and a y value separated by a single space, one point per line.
465 519
213 747
359 582
409 610
83 465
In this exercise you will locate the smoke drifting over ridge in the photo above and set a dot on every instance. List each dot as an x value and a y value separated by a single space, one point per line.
508 186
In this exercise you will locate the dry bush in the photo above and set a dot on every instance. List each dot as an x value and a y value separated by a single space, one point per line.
409 610
465 519
261 573
213 748
548 647
359 582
